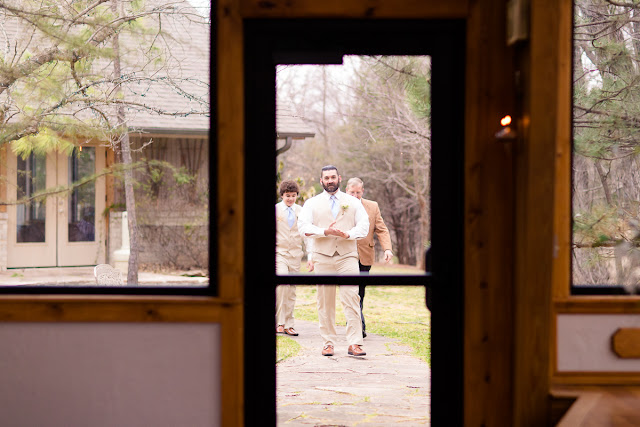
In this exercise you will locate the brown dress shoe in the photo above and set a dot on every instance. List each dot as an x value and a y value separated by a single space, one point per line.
327 350
280 329
291 331
355 350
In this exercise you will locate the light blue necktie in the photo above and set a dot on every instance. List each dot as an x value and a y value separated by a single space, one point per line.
291 218
334 206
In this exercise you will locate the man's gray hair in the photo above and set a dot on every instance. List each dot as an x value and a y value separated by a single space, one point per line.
355 181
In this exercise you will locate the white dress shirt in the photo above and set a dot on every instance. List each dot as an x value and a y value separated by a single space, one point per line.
305 218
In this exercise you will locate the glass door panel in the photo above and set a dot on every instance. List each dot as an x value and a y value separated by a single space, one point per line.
31 216
82 202
79 219
63 229
31 235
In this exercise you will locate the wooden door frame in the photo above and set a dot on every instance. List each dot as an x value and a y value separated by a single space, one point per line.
269 42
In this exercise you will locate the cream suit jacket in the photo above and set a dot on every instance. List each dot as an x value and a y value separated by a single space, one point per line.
288 240
316 216
366 246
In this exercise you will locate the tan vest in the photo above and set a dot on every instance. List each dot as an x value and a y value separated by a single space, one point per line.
346 220
288 240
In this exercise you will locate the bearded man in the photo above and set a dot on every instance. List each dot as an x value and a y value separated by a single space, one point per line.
335 220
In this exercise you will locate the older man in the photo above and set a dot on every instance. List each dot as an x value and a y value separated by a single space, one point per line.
355 188
334 220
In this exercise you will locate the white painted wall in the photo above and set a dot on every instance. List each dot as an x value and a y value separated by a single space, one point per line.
109 374
584 342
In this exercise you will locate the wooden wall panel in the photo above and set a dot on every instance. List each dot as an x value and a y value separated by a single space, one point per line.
490 87
548 85
604 307
81 308
230 173
562 233
412 9
230 170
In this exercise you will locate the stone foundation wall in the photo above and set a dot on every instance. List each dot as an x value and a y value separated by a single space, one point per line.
115 235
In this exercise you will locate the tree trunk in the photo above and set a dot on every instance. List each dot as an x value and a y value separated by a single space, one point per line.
421 179
603 180
125 147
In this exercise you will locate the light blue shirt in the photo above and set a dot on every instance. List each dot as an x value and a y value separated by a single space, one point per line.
305 218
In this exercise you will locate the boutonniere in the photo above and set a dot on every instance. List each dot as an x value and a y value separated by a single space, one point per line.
344 208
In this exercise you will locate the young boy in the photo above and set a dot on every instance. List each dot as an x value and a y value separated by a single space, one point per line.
288 254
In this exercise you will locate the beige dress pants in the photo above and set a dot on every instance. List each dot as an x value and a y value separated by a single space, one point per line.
341 265
286 294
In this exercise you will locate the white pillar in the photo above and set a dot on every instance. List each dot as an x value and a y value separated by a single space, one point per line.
121 256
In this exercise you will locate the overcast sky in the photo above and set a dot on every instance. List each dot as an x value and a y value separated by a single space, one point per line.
202 6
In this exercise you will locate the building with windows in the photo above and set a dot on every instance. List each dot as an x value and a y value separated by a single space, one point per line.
511 344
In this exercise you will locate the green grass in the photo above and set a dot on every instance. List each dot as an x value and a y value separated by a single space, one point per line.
285 348
397 312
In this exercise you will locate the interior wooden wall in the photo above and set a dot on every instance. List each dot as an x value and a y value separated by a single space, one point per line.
489 213
546 120
509 211
509 234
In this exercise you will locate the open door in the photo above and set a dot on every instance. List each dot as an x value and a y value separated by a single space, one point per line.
269 43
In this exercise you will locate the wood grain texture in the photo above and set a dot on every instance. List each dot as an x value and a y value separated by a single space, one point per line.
230 168
560 404
82 308
595 378
625 343
409 9
490 94
615 406
229 65
598 305
505 309
562 221
547 80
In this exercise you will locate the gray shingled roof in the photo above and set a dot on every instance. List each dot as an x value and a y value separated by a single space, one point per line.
290 124
188 58
187 36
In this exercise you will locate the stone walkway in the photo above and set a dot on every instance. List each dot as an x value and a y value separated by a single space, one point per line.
386 387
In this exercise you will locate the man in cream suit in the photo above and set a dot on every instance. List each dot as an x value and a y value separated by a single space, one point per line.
288 254
334 220
355 188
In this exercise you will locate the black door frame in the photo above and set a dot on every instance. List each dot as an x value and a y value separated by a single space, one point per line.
269 42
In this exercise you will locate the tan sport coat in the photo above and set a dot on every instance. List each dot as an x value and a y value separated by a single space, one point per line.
376 225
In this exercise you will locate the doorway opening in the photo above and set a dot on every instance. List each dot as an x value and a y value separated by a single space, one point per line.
63 229
369 116
270 43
